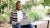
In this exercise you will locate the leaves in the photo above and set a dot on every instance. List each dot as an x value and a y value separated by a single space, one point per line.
46 2
35 15
5 13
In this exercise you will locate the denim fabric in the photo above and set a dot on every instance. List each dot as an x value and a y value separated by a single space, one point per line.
16 26
27 26
22 26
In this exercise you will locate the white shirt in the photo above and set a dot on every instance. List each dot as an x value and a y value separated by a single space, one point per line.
19 15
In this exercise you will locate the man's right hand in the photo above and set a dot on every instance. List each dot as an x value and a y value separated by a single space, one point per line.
14 23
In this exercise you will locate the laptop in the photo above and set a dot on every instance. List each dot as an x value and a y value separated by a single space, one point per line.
25 21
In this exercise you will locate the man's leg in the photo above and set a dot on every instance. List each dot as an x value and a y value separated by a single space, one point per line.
13 26
16 26
27 26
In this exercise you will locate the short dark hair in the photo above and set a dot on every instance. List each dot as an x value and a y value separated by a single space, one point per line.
18 2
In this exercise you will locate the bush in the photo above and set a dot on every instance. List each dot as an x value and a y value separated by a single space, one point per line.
35 15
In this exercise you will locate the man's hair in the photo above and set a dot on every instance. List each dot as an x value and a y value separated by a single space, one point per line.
18 2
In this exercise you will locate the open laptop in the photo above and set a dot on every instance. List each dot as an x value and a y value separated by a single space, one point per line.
25 21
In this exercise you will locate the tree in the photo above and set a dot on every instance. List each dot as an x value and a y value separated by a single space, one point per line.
46 3
5 12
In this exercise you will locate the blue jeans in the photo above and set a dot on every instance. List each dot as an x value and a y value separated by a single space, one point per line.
16 26
27 26
22 26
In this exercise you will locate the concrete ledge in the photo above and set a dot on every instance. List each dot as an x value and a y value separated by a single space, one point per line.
47 19
40 24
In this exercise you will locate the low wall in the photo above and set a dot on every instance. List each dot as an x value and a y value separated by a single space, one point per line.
40 24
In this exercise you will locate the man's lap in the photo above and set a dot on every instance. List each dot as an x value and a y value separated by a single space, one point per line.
22 26
26 26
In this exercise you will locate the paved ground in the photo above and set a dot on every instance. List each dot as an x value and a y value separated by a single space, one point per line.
5 26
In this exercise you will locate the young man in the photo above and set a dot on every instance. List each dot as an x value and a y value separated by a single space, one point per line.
17 15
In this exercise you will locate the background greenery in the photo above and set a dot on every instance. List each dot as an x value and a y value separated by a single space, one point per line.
6 6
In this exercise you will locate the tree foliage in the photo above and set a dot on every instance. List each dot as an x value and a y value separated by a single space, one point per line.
9 5
46 2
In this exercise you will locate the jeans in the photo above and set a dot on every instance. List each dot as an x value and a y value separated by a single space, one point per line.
16 26
22 26
27 26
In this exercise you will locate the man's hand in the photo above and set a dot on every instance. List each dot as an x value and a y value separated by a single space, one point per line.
14 23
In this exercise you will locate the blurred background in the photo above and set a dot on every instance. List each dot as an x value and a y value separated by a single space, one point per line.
35 9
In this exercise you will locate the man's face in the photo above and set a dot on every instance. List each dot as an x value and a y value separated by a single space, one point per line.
18 5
